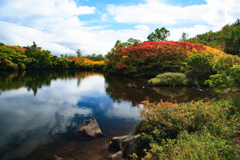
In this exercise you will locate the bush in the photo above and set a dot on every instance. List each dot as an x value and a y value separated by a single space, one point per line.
172 79
228 74
152 58
190 123
194 146
224 63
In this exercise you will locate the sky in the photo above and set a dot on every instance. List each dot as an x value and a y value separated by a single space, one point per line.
94 26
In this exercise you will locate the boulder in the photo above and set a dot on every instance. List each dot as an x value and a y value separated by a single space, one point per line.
90 128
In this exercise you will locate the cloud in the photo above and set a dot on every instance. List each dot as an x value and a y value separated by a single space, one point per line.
104 17
13 34
56 25
176 33
123 111
142 27
61 40
215 13
54 8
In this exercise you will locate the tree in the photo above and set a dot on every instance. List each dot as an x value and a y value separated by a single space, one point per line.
159 35
99 57
93 55
183 37
132 42
118 41
199 66
79 53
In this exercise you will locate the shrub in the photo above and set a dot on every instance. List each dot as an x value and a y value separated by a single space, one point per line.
224 63
228 74
166 120
152 58
193 146
169 78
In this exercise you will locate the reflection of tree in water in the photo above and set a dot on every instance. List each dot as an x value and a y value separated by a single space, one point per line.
116 88
33 80
178 93
174 91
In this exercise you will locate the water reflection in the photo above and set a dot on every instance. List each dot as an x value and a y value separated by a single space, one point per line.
40 107
28 121
116 88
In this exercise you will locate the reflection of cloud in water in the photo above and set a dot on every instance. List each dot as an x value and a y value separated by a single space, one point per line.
123 110
27 121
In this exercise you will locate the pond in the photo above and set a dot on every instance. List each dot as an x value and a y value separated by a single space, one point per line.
40 109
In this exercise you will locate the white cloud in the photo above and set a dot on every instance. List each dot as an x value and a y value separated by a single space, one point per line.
62 40
53 8
142 27
123 111
104 17
56 25
176 33
215 12
14 34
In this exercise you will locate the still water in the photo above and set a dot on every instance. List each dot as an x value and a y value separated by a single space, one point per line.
39 110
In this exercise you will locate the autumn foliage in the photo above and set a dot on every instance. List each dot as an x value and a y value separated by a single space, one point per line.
33 57
192 130
87 63
151 58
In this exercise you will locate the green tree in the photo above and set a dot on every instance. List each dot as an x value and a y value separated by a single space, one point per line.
159 35
99 57
93 55
118 41
132 42
199 66
79 53
183 37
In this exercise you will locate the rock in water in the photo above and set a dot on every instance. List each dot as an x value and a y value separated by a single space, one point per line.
90 128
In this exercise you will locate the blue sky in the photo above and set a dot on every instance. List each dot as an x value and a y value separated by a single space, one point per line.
63 26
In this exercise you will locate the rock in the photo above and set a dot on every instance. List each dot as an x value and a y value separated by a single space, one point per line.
131 85
90 128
